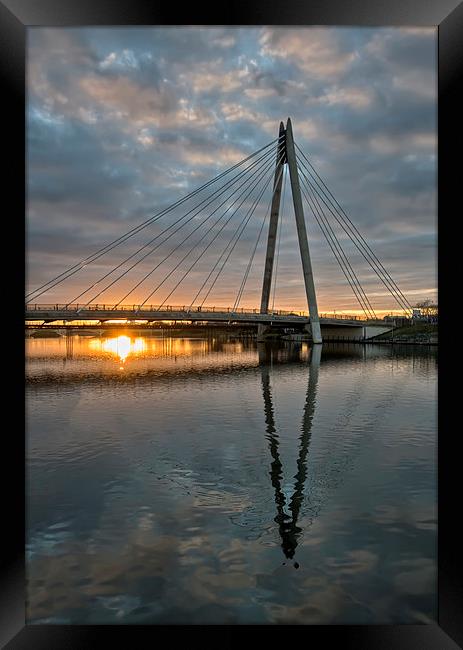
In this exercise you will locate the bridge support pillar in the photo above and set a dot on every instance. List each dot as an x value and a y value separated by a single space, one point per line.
262 330
273 227
308 328
302 235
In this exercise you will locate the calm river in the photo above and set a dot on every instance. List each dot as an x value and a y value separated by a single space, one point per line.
175 480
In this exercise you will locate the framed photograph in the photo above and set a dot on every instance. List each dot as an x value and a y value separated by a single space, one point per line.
229 229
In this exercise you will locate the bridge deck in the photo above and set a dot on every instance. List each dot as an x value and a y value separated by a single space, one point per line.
220 314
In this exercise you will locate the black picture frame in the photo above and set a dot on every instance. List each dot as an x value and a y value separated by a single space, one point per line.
15 17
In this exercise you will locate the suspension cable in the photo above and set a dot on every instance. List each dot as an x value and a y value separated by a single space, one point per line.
316 192
338 246
248 269
344 215
330 237
197 243
207 247
195 210
337 257
102 251
243 228
356 237
219 258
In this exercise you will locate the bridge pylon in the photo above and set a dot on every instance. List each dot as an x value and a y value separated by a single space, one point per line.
286 155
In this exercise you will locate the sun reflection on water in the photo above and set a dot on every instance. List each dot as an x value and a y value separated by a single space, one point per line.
121 346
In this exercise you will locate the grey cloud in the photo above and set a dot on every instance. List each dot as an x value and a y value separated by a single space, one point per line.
115 133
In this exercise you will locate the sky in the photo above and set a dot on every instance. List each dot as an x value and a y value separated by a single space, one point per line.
123 122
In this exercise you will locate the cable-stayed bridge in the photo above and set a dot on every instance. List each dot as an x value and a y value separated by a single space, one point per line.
212 224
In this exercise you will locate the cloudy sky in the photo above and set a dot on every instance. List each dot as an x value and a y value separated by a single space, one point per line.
122 122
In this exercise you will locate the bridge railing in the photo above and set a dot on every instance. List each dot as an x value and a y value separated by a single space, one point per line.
154 308
361 319
341 316
139 309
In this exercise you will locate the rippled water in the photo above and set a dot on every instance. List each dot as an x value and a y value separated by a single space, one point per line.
175 480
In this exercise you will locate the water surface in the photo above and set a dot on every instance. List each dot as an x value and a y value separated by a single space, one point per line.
175 480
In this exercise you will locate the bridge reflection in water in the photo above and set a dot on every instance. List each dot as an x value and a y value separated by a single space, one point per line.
288 511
